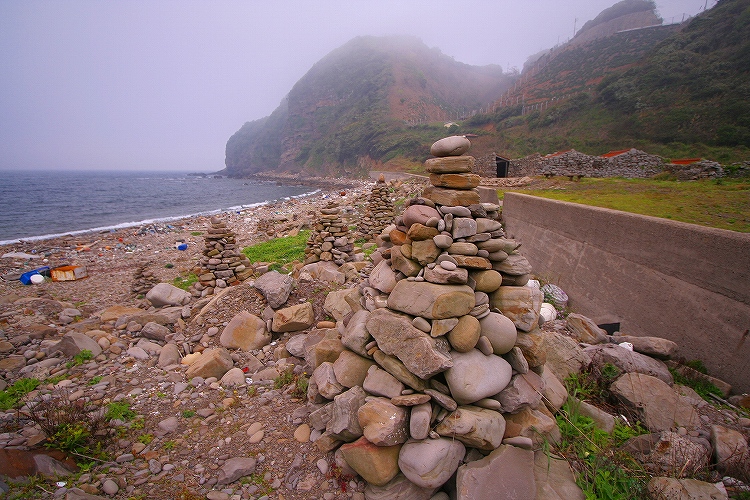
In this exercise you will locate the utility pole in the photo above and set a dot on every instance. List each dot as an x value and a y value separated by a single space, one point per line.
575 22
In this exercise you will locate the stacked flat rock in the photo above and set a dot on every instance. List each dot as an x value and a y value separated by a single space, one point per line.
143 280
222 263
378 212
438 367
452 182
330 240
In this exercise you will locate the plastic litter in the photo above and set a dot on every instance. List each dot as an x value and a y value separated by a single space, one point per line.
26 277
36 279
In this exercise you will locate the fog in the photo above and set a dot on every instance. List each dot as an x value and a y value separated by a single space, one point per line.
162 85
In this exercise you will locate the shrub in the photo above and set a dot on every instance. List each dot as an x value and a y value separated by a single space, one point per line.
11 396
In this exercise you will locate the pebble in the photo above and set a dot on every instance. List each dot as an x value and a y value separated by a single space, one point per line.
110 487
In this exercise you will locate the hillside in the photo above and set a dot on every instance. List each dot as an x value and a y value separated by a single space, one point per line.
378 103
674 91
362 105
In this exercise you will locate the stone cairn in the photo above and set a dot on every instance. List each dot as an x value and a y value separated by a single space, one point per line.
330 239
143 279
222 263
438 374
378 212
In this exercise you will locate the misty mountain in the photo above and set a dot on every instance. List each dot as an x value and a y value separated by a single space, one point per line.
363 104
374 103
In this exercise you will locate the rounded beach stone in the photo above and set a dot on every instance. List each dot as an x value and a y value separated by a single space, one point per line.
419 214
500 331
465 334
487 280
455 145
430 463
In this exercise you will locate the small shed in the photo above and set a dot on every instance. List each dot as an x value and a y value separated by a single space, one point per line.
502 165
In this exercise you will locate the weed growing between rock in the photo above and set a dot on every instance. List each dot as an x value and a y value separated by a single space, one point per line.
70 426
12 395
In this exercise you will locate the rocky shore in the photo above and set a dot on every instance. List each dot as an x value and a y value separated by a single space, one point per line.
422 372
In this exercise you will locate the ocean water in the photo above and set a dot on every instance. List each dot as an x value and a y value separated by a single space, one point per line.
43 204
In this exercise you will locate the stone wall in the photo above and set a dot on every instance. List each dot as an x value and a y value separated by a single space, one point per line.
631 164
655 277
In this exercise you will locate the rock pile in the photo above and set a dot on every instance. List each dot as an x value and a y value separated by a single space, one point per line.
378 212
222 263
438 366
143 280
330 240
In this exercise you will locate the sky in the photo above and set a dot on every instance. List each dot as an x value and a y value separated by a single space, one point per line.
162 85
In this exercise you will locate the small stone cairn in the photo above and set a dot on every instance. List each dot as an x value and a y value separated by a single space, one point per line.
222 263
330 239
378 212
143 280
439 366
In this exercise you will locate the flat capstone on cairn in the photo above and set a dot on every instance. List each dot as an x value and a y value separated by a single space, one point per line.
222 263
378 211
331 240
435 375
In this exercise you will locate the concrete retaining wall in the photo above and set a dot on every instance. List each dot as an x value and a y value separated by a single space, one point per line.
656 277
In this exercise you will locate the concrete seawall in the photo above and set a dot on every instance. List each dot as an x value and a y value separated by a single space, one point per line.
656 277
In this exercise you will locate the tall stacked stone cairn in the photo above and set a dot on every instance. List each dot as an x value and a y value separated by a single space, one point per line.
435 383
330 240
378 211
222 263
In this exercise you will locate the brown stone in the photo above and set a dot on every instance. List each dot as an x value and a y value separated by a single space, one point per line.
450 164
452 197
455 181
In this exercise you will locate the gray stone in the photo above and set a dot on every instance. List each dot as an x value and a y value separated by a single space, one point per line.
655 347
395 367
382 277
155 331
164 294
235 377
414 348
501 332
381 383
441 275
275 287
356 336
524 390
338 303
585 330
351 369
507 469
235 468
169 424
668 488
418 214
657 404
455 145
169 355
730 450
430 300
442 241
463 227
564 356
73 343
344 424
475 376
324 379
430 463
515 265
419 421
554 478
628 361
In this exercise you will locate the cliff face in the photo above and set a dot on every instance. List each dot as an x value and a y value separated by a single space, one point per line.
346 109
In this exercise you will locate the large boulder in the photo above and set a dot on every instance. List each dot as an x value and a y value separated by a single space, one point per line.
73 343
245 331
275 287
628 361
294 318
164 294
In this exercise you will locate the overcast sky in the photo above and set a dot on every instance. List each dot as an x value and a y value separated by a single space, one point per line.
162 85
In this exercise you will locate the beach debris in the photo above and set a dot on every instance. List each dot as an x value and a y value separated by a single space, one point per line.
26 277
20 255
68 273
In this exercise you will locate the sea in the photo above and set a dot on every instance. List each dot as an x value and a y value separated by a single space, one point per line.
37 205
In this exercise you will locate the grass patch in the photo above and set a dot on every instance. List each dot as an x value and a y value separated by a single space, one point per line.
185 282
80 358
280 251
723 205
119 410
12 395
